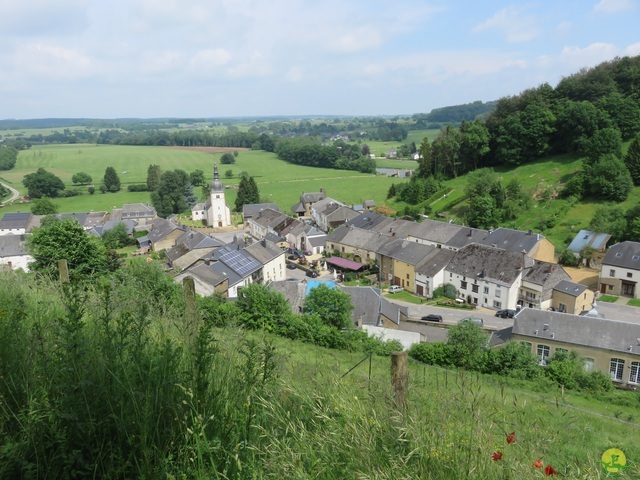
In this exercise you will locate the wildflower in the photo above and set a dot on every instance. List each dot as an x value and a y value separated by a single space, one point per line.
549 470
537 464
496 456
511 438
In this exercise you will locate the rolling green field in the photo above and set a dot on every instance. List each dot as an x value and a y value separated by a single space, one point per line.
278 181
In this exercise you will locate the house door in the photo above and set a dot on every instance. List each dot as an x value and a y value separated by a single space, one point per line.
603 288
420 290
219 224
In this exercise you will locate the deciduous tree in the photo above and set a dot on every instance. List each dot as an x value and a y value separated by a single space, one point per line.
44 206
66 239
632 160
153 177
81 178
330 304
43 183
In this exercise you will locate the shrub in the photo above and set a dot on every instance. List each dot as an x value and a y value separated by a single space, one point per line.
137 187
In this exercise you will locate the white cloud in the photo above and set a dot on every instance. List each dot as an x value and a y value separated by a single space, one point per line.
576 57
294 75
563 28
161 62
354 40
51 61
209 59
513 23
613 6
633 49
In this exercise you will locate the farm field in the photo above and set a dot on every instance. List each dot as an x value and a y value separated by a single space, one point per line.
279 182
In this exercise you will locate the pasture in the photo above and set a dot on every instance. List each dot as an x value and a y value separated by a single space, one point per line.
279 182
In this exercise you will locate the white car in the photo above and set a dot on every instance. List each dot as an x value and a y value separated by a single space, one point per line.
395 289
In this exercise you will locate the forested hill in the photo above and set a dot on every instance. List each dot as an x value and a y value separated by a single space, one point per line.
589 113
456 113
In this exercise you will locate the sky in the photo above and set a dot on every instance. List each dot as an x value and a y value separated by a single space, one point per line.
231 58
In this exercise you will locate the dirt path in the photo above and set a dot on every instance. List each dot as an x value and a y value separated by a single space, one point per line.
15 194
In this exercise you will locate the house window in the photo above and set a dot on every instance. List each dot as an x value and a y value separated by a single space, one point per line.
217 196
587 364
474 289
463 285
498 293
634 377
497 304
629 275
342 249
407 276
486 290
562 308
612 273
475 300
543 354
616 368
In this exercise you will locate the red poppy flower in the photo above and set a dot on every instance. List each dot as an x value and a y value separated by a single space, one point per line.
511 438
537 464
549 470
497 455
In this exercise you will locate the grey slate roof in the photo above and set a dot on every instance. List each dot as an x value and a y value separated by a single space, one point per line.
465 236
15 221
206 274
132 211
294 293
12 246
193 239
368 304
623 254
312 197
582 330
269 218
434 262
512 240
411 253
570 288
298 208
317 241
264 251
252 209
587 238
480 261
542 272
441 232
161 228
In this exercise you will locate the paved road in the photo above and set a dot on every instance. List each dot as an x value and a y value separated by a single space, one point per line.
14 193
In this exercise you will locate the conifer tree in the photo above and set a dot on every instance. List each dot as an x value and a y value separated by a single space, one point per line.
632 160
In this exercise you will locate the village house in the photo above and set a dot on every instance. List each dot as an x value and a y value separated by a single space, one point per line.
397 261
538 282
487 276
15 223
303 207
430 272
251 210
620 270
142 213
329 213
536 246
163 234
610 346
570 297
13 254
190 249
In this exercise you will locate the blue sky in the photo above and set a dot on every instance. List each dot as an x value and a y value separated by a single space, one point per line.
211 58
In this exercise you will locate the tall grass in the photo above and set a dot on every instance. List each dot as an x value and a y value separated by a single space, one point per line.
123 379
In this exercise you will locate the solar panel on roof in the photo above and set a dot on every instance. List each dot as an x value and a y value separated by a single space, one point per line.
239 263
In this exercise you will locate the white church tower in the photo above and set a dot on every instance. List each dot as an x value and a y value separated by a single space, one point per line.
218 214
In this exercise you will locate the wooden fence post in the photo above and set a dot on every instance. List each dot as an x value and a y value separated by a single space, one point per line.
63 271
400 379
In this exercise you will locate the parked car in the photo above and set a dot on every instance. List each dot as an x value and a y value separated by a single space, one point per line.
479 321
291 266
312 274
395 289
432 317
508 313
292 257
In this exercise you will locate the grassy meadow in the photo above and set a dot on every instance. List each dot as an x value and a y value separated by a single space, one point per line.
278 181
121 380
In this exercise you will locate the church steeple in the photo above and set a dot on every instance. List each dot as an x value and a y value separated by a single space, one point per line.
216 184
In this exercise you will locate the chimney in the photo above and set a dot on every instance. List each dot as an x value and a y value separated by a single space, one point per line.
470 232
263 242
530 232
